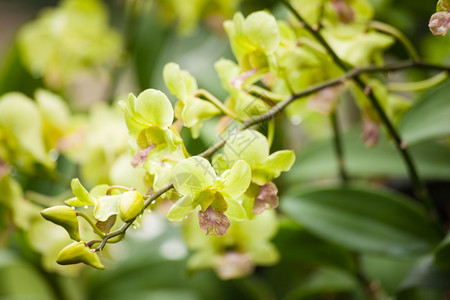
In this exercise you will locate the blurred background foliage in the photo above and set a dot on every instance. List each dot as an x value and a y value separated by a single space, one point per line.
124 50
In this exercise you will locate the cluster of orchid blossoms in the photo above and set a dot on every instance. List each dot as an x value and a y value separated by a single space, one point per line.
228 193
440 21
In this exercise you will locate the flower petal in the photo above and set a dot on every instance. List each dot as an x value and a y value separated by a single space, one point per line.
181 208
237 180
212 222
134 125
106 207
263 253
179 82
196 110
193 175
155 108
235 210
173 80
261 28
267 198
82 195
276 163
248 145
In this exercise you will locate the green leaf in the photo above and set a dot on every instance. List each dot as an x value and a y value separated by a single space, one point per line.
155 108
429 118
388 271
424 275
364 219
442 253
236 180
318 160
83 197
15 271
296 244
193 175
321 282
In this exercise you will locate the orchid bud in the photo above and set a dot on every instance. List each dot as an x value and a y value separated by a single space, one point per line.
64 216
440 23
131 205
79 252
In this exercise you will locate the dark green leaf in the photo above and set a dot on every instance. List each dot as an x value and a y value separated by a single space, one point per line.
299 245
323 281
14 76
20 280
424 276
363 219
318 160
442 253
388 271
429 118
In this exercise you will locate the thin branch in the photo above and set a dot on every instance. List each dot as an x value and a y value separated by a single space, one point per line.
275 110
336 81
419 187
338 147
125 226
207 153
316 34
